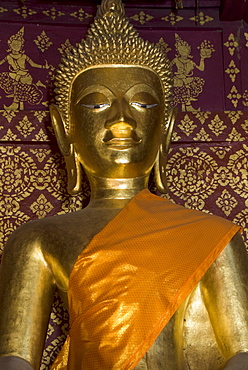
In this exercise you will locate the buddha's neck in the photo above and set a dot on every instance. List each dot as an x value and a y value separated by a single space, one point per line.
115 193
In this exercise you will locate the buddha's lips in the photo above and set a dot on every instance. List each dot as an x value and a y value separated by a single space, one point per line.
121 140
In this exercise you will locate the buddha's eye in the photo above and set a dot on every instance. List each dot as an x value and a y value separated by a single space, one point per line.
96 101
143 105
96 106
143 100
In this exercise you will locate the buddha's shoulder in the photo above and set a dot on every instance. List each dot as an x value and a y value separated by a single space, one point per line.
56 234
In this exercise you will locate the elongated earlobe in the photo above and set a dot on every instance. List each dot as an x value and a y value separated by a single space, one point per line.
73 166
162 156
74 172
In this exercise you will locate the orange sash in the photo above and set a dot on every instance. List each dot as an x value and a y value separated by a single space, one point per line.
132 277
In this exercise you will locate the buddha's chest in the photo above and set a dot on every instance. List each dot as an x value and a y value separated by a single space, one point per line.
187 342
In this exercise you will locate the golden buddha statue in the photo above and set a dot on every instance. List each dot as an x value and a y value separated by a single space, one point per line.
148 284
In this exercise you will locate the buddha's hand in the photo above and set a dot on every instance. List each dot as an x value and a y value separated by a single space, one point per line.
237 362
14 363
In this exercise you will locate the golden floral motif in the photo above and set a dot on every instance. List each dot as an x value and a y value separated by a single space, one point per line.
41 136
221 151
40 153
8 225
235 136
142 17
202 135
217 125
40 179
223 176
241 219
25 127
53 13
51 351
65 47
194 202
59 316
46 103
232 71
8 114
234 115
43 42
234 96
24 11
80 15
10 136
191 173
202 116
231 44
163 45
244 126
50 330
172 18
201 18
16 168
8 206
2 10
40 115
187 125
71 204
41 207
55 168
238 164
245 98
175 137
226 202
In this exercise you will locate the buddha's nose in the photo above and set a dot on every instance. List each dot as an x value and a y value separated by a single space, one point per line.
120 117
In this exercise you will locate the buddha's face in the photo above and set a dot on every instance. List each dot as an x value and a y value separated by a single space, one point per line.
116 119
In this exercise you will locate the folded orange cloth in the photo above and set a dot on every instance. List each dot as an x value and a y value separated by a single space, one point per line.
132 277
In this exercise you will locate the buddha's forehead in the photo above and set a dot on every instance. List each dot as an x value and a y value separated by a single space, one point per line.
117 78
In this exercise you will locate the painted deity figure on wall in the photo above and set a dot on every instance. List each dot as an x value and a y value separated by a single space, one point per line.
18 82
187 87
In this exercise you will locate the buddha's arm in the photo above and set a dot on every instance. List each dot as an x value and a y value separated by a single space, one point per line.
225 292
26 293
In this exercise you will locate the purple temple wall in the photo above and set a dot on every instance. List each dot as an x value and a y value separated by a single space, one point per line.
208 165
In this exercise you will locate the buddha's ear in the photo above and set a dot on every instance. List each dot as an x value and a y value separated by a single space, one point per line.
59 128
162 156
73 166
167 135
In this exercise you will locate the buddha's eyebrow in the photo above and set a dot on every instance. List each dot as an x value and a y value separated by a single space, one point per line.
92 89
142 87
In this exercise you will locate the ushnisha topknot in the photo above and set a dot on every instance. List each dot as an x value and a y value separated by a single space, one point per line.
111 39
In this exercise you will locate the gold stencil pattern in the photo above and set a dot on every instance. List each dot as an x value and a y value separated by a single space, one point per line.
231 44
232 71
191 172
25 127
172 18
201 18
2 10
53 13
216 125
41 207
226 202
234 96
142 17
43 42
80 15
24 11
66 47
